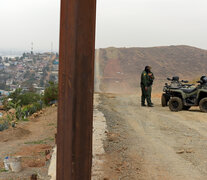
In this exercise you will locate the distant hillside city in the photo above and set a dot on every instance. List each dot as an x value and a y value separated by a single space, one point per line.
31 71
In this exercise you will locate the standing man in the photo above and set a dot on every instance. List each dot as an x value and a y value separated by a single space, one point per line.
147 79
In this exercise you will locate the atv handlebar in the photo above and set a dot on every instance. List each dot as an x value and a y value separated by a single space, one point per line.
189 85
182 81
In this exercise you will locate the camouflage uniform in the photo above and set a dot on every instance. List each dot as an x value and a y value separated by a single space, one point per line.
146 81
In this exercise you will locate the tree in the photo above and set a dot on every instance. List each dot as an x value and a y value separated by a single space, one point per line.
15 95
24 55
51 93
29 98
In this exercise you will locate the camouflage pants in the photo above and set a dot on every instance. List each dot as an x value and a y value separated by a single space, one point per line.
146 94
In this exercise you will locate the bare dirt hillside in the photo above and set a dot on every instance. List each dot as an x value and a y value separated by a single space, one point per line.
30 140
120 68
152 143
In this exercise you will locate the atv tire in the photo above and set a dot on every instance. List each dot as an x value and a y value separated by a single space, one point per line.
203 105
186 107
163 100
175 104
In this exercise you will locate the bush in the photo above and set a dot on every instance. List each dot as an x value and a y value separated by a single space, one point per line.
4 125
15 95
24 98
25 103
51 93
29 98
32 108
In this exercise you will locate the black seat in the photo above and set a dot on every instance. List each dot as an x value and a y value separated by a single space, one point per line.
188 90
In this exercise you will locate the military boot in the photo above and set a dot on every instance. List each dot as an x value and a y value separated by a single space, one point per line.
150 105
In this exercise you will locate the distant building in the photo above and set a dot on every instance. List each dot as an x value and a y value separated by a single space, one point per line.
56 62
4 93
55 68
1 66
6 64
55 72
26 59
9 82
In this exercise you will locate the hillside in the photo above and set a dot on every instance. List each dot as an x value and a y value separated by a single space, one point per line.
119 69
30 140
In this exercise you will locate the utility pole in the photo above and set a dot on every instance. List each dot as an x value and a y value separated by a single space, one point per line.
51 50
76 83
32 48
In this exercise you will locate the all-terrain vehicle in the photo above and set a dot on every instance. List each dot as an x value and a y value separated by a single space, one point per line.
184 98
174 84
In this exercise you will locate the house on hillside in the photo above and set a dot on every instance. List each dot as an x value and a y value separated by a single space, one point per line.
1 67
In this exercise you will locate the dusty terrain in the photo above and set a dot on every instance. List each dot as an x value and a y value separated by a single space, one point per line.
118 69
150 143
29 140
130 142
145 143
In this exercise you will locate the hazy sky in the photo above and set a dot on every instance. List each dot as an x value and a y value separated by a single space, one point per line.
26 21
151 23
120 23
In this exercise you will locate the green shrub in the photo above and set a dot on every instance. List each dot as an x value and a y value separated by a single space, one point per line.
4 125
31 108
15 95
29 98
24 98
18 97
51 93
25 103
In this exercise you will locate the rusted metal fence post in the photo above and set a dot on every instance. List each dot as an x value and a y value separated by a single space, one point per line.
76 82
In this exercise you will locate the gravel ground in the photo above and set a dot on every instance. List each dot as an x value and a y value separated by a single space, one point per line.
152 143
99 136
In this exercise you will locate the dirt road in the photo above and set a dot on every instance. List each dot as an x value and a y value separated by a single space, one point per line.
153 143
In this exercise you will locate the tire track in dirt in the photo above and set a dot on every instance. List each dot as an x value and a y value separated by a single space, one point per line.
155 142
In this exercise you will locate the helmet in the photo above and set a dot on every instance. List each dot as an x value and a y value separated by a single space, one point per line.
147 68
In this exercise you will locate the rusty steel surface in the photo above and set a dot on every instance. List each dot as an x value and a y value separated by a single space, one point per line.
76 83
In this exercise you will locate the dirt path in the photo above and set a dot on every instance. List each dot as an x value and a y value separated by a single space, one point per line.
153 143
29 140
